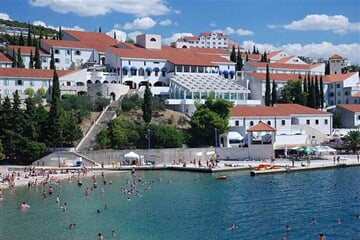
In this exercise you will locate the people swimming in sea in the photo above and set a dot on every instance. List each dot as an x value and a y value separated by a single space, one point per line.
79 183
321 237
287 228
98 211
313 221
338 221
113 233
57 199
24 205
232 226
100 236
64 207
72 225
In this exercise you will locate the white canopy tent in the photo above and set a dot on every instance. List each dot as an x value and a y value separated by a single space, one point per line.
231 139
133 157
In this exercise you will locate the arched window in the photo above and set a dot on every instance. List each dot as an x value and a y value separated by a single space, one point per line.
251 123
141 72
269 123
152 40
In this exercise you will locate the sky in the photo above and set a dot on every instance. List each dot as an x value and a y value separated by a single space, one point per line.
311 28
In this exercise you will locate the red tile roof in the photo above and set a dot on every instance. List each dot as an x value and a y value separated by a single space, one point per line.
26 50
98 41
65 44
284 59
284 65
31 73
273 54
277 110
335 56
355 108
261 127
252 57
339 77
356 95
4 58
179 56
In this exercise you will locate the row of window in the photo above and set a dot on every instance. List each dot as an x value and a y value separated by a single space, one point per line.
20 82
141 72
283 122
68 51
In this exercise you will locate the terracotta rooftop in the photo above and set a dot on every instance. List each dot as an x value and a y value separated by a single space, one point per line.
261 127
273 54
355 108
284 65
335 56
339 77
98 41
31 73
4 58
277 110
26 50
284 59
65 44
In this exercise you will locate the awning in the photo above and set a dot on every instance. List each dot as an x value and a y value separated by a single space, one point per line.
133 68
164 69
214 71
156 69
225 72
125 68
232 72
149 69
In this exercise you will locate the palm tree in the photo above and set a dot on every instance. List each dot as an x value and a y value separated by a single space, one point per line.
352 140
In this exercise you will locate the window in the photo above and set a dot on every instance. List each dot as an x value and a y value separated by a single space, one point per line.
57 60
129 62
237 122
125 72
68 52
6 92
77 52
338 85
308 122
19 82
283 122
326 122
251 123
163 73
269 123
56 51
32 83
317 121
6 82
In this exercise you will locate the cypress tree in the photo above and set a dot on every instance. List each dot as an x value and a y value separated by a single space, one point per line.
55 118
317 92
312 94
327 68
31 62
29 39
20 62
115 35
273 94
100 29
233 54
147 105
305 89
254 50
37 59
14 59
247 57
267 87
60 34
21 40
321 93
52 60
239 61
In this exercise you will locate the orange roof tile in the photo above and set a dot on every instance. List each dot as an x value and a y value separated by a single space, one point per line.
350 107
277 110
261 127
26 50
98 41
335 56
65 44
4 58
284 65
273 54
338 77
31 73
252 57
284 59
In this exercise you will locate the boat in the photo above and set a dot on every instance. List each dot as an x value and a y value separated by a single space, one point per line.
223 177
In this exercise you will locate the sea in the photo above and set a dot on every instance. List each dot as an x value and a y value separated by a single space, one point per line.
169 205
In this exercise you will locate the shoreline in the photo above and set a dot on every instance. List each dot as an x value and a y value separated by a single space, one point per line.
279 166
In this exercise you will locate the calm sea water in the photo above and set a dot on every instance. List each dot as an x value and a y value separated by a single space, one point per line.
185 205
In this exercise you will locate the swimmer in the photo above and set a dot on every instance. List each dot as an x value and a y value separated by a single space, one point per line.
64 207
98 211
338 221
100 236
287 228
24 205
321 237
313 221
113 233
57 199
102 190
232 227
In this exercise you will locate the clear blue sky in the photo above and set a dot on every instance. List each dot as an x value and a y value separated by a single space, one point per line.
314 28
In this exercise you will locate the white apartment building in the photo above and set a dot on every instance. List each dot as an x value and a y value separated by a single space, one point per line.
350 115
204 40
26 53
288 68
342 88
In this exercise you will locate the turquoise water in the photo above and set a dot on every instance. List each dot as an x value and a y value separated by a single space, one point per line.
184 205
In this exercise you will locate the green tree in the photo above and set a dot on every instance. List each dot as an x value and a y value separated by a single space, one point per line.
164 136
321 93
21 40
20 62
273 94
352 140
2 154
30 92
317 93
14 59
239 61
337 117
52 60
55 118
31 61
214 114
60 34
122 133
233 54
37 58
147 106
267 87
41 92
72 131
29 37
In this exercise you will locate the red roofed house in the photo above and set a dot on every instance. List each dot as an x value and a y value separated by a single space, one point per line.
26 53
350 115
294 124
342 88
5 62
204 40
